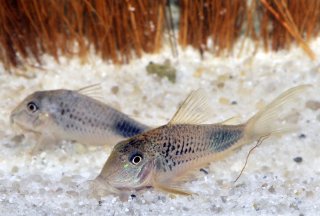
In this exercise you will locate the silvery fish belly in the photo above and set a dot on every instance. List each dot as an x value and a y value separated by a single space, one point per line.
167 156
74 115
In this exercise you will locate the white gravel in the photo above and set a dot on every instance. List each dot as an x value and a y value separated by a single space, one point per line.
53 183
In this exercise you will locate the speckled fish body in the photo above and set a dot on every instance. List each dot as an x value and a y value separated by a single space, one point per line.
182 146
166 156
70 115
174 150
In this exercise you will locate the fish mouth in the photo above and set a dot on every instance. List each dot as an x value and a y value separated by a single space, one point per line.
100 184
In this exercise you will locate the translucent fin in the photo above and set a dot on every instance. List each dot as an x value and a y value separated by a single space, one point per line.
45 142
194 110
231 121
265 122
171 188
93 91
186 176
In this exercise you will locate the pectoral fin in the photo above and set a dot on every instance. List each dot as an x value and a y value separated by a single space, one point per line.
44 142
171 188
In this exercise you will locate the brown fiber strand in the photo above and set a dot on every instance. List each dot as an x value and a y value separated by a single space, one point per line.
183 23
249 28
116 29
220 21
159 29
284 17
276 23
170 30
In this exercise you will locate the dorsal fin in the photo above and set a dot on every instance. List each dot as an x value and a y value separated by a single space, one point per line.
194 110
93 91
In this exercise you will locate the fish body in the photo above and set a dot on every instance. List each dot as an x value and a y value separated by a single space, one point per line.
170 151
72 115
166 156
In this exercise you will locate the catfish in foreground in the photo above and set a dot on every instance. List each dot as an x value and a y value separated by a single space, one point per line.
163 158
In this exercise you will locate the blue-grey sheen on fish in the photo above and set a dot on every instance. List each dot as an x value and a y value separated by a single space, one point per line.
74 115
166 156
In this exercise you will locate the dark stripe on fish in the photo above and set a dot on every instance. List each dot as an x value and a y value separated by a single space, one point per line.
128 128
223 139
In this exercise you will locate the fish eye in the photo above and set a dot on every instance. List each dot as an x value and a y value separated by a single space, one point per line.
136 158
32 107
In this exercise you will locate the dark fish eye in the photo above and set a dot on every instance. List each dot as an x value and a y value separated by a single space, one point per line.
136 158
32 107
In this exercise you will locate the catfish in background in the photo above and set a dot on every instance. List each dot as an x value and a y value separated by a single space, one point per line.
165 157
73 115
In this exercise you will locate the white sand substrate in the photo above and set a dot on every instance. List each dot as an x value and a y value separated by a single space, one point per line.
51 183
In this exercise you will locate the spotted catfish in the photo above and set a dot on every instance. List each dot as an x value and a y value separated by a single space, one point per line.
74 115
165 157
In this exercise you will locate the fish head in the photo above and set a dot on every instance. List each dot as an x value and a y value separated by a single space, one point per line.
128 166
34 112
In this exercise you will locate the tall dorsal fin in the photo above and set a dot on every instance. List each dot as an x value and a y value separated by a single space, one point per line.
194 110
93 91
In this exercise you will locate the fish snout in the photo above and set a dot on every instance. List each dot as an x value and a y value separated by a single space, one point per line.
106 185
12 118
13 115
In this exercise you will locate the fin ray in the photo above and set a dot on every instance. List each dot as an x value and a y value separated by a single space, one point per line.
263 123
171 188
194 110
231 121
93 91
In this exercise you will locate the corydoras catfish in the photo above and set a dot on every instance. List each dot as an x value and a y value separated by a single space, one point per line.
164 157
74 115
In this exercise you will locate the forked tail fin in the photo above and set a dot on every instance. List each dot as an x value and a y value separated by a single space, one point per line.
265 122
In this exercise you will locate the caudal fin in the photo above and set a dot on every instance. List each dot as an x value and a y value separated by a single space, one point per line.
265 122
